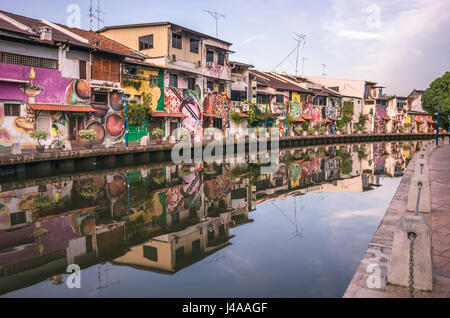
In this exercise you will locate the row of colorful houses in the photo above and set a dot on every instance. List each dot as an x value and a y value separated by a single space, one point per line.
184 78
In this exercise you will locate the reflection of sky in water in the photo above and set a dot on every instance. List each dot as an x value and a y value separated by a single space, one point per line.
267 258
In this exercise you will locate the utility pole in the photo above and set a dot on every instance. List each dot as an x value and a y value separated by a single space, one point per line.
92 15
323 72
216 16
303 64
299 38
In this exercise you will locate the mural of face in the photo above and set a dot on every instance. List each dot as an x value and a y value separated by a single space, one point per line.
216 103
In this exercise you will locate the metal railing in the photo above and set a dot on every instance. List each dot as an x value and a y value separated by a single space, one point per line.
412 236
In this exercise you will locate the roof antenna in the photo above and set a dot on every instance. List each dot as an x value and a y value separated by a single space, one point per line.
323 72
299 38
92 15
216 16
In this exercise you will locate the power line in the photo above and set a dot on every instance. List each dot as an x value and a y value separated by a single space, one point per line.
303 64
216 16
295 48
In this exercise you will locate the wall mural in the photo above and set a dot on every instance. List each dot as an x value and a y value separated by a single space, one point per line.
313 111
189 103
380 123
296 106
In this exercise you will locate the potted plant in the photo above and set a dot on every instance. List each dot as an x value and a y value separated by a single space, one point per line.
310 130
158 134
298 130
39 135
322 130
159 179
88 135
89 191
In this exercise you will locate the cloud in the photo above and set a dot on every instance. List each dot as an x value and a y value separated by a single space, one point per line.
408 49
358 35
251 39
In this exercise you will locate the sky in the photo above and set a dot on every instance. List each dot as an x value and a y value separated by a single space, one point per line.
401 44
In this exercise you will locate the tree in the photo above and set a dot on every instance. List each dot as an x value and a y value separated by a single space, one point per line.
347 111
440 87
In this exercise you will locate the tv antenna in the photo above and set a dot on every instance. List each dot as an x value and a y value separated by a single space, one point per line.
216 16
299 38
323 67
303 64
96 16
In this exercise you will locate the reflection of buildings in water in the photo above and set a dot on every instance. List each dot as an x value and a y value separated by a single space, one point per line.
88 218
174 251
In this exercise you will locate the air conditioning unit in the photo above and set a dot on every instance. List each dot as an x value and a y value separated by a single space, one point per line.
209 64
199 63
245 107
174 57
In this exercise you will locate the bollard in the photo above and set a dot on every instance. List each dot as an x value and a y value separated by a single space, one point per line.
440 141
446 140
433 144
399 269
67 145
421 167
419 191
423 155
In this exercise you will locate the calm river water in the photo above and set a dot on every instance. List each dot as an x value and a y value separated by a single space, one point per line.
201 230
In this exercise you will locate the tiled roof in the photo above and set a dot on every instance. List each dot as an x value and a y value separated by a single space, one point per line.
104 43
61 108
277 82
35 24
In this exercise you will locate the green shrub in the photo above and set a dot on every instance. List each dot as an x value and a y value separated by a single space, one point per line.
298 129
87 135
39 135
89 191
159 179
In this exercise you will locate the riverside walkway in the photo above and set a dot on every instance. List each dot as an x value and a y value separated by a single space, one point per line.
378 253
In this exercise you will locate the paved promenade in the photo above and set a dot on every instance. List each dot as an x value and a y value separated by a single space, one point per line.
378 253
440 206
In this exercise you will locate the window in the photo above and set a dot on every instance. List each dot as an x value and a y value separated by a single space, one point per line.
217 123
221 87
146 42
18 218
176 41
100 98
220 58
194 46
151 253
209 56
196 247
238 96
320 100
153 81
262 99
179 255
210 85
130 70
12 109
280 98
191 83
173 80
28 60
82 69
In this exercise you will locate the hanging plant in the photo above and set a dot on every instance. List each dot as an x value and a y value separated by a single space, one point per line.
132 83
137 114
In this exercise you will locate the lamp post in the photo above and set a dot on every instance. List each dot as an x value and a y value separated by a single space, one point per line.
437 125
125 100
